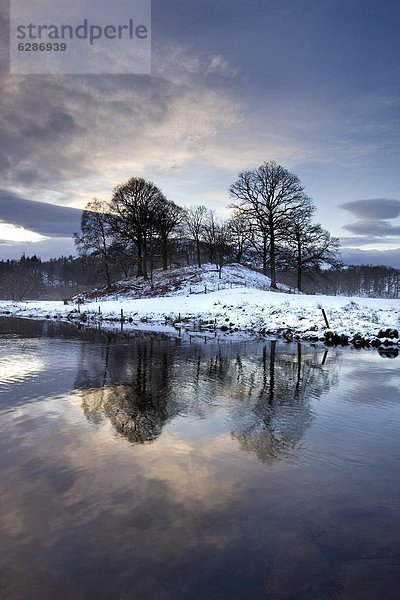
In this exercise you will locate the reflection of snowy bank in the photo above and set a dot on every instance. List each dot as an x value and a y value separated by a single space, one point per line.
253 311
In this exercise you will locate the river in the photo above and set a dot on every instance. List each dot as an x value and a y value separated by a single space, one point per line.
154 468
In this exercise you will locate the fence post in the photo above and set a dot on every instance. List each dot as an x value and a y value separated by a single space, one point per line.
325 318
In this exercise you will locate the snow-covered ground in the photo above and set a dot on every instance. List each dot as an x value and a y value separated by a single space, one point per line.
245 310
185 281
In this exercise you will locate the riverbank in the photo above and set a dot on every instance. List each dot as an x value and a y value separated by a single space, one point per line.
359 321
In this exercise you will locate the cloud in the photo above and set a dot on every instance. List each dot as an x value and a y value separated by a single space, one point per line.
13 233
375 208
373 228
372 240
45 219
219 64
208 110
83 135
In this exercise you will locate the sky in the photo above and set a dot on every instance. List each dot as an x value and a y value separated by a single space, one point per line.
311 84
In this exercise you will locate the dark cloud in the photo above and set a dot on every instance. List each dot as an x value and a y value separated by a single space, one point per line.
208 111
355 256
47 219
58 132
373 228
56 125
375 208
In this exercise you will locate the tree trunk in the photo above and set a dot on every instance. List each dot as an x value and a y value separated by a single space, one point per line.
272 260
108 278
150 247
264 254
299 265
145 248
140 272
299 277
198 253
165 254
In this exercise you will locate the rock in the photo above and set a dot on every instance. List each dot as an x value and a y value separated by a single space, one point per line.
357 340
388 333
288 335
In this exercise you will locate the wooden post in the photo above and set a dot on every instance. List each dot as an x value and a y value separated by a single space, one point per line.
325 318
205 289
122 315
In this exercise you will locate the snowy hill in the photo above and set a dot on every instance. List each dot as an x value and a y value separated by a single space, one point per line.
185 281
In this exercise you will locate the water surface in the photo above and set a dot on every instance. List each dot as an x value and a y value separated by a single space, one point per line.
153 468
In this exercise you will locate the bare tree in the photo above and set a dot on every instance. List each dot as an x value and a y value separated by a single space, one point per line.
313 246
268 196
96 235
240 234
168 218
222 244
195 219
134 205
209 234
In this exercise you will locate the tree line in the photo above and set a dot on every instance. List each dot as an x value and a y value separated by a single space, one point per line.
271 226
58 278
31 278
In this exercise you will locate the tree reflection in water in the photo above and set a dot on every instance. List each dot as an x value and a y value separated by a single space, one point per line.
138 409
278 412
264 389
